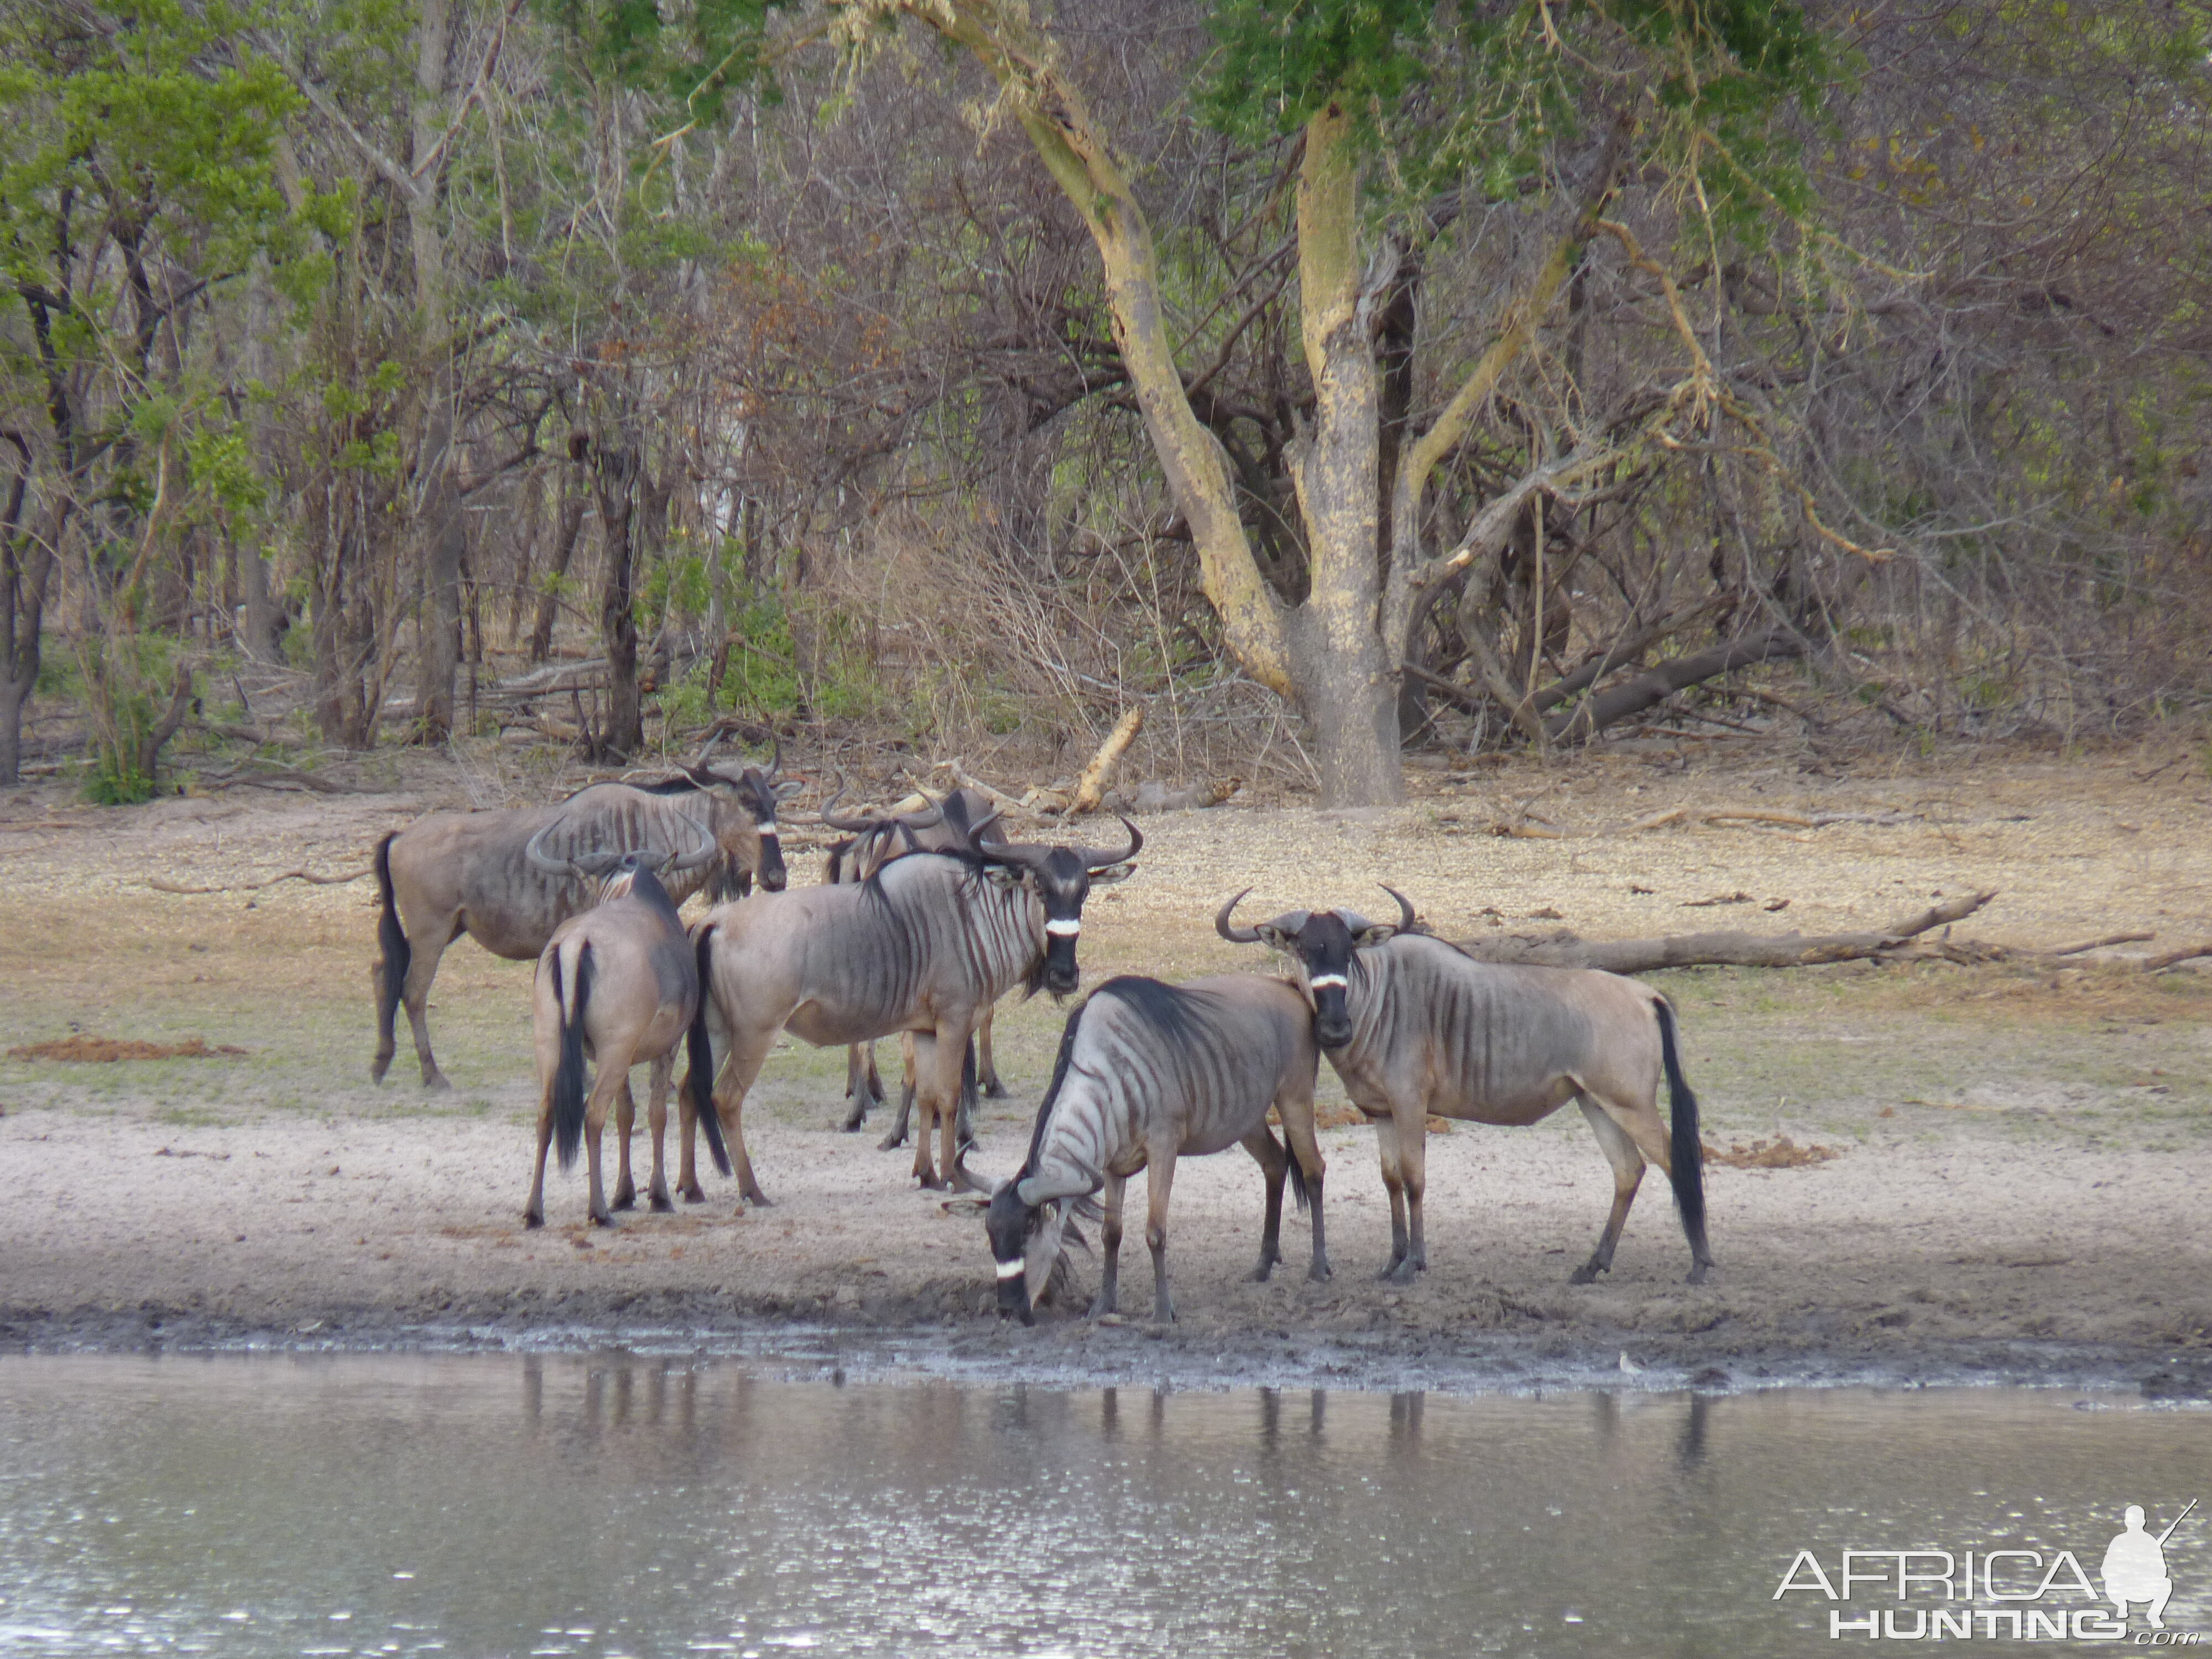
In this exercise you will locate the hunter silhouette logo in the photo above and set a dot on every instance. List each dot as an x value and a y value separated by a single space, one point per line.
2135 1567
2001 1594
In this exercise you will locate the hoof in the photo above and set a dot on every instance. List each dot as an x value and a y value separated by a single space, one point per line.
661 1205
757 1202
1259 1275
606 1221
1320 1273
436 1084
996 1090
851 1126
624 1201
1585 1274
891 1142
1406 1272
1697 1273
532 1223
378 1067
692 1195
1102 1309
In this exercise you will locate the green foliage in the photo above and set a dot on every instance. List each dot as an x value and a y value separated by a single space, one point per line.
1479 93
691 52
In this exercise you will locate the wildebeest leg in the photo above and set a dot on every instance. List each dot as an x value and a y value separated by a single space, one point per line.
740 1068
1268 1152
612 1084
625 1121
986 1067
1394 1182
896 1137
940 1058
1108 1299
1627 1163
863 1087
656 1117
1294 1105
533 1212
424 950
1159 1182
1412 1137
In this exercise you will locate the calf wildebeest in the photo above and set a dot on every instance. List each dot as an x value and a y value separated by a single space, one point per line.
617 982
450 873
923 946
1415 1028
1148 1073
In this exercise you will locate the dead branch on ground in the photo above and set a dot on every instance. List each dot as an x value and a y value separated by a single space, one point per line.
161 884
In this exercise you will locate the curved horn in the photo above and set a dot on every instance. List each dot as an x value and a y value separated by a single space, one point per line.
1405 918
775 762
699 855
535 852
1235 935
976 830
850 826
1095 857
927 819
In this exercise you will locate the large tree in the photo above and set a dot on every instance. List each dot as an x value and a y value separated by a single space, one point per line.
1402 121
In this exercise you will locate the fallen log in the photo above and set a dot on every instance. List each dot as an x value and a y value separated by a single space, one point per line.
1528 827
1729 949
162 885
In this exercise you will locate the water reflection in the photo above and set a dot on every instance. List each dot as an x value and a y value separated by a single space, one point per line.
607 1505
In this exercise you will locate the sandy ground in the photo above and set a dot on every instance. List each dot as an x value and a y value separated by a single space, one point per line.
2019 1187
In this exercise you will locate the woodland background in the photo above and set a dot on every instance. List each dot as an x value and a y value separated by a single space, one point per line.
598 375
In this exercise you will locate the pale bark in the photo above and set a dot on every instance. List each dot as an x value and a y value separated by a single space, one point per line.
439 526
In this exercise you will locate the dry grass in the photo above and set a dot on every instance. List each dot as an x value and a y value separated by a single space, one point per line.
1781 1153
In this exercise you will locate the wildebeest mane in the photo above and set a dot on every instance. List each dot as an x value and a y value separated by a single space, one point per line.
1169 1011
1052 1090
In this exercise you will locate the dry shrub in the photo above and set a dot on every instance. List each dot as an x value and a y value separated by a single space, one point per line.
1781 1153
1022 664
100 1049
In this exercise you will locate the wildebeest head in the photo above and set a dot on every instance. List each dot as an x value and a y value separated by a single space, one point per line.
744 808
1320 943
1061 877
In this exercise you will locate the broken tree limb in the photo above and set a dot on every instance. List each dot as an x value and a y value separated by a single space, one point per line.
1091 787
967 779
1530 828
163 885
1617 702
2172 959
2100 944
1721 949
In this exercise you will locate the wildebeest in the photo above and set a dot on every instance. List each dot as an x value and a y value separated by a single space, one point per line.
1415 1027
923 946
448 873
951 825
616 983
1147 1073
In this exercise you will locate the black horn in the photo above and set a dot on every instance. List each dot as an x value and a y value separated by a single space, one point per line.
850 826
699 855
1234 934
1095 857
1407 921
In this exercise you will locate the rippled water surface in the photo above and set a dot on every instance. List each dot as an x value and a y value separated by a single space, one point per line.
495 1506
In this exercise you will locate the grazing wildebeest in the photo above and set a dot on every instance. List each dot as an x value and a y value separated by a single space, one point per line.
952 826
448 873
924 945
1148 1073
1415 1028
616 983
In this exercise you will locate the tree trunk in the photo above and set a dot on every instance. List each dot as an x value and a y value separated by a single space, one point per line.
438 653
24 570
1336 660
574 505
615 478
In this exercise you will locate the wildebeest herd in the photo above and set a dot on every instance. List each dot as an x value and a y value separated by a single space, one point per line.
925 921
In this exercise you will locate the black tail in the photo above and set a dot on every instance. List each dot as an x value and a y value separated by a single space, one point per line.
700 1080
397 953
1687 1151
1298 1190
568 1080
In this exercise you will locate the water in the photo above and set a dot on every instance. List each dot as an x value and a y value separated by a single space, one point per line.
602 1506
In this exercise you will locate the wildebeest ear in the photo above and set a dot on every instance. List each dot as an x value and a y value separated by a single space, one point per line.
1272 936
789 788
1111 874
1000 876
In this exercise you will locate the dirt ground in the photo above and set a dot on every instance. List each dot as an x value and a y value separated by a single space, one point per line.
2018 1188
